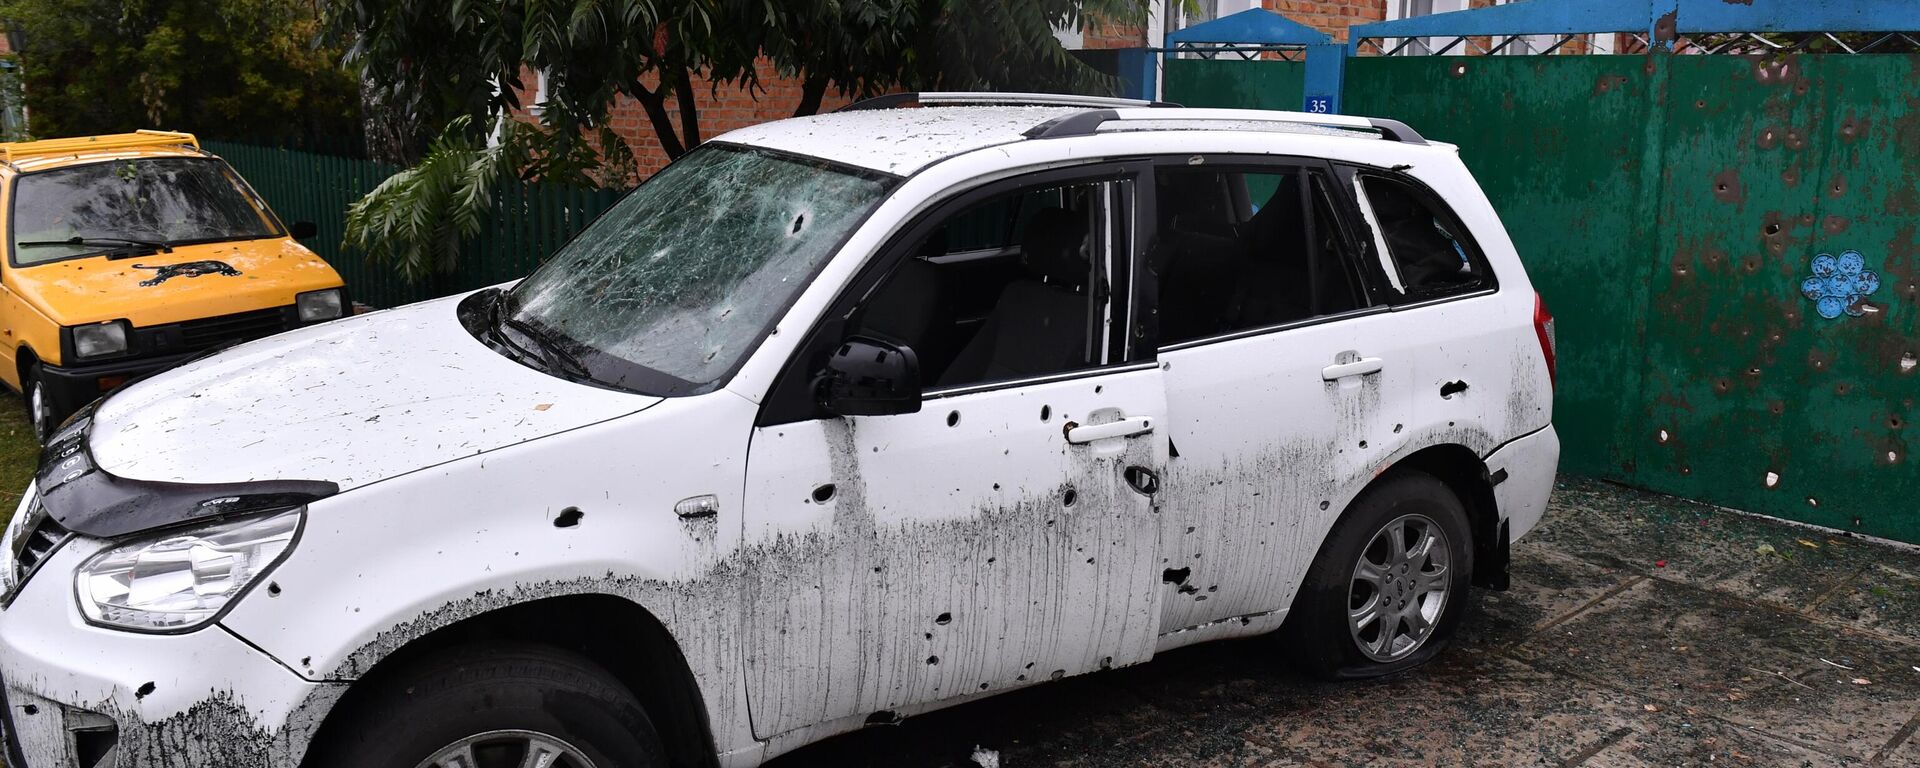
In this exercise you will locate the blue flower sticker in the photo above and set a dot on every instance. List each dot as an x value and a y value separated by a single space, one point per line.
1838 285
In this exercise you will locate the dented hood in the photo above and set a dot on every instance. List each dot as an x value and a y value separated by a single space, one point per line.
349 402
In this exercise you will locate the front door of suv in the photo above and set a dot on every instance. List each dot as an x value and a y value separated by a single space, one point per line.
996 537
1286 387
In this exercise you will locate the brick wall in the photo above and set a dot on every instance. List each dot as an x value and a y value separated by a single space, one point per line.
729 108
1330 16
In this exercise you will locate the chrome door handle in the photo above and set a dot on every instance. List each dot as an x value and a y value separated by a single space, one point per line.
1361 367
1081 435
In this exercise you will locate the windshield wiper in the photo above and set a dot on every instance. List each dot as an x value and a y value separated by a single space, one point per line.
112 243
551 350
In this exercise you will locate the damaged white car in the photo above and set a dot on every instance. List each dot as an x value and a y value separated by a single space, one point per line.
834 421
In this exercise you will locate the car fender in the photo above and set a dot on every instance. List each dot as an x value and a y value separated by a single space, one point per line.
588 511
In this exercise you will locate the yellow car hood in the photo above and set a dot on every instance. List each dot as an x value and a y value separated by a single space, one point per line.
190 282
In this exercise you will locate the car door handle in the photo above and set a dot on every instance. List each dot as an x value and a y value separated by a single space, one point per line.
1081 435
1360 367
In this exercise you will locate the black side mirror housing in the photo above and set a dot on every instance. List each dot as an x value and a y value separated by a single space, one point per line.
302 230
866 376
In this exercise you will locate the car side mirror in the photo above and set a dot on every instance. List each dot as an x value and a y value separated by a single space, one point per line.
302 230
866 376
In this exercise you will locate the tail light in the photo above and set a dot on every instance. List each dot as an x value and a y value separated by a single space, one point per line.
1543 326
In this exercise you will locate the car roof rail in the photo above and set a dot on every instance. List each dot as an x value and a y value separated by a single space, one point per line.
1087 123
142 139
991 99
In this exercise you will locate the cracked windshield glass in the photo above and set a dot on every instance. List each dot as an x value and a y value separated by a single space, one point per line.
672 288
90 209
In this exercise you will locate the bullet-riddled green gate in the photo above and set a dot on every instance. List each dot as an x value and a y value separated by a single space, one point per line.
1729 242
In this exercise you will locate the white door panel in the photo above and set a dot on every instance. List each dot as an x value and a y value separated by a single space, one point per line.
1272 434
1479 376
969 547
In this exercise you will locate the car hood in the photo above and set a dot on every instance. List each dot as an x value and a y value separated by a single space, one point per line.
191 282
349 402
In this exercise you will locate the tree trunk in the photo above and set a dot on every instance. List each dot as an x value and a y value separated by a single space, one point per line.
811 92
656 107
689 110
389 134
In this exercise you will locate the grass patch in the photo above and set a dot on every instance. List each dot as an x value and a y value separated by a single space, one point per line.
19 454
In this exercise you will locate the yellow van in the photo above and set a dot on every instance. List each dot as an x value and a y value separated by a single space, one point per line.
132 253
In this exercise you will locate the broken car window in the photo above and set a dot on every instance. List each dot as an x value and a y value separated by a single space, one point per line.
672 288
89 209
1429 256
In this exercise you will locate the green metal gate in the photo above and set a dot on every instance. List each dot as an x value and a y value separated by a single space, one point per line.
1688 219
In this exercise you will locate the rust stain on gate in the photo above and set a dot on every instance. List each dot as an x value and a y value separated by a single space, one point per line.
1731 245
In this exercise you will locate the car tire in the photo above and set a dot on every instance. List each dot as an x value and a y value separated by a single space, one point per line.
499 703
1394 611
42 415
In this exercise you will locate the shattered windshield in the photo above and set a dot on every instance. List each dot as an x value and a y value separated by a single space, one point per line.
84 210
670 290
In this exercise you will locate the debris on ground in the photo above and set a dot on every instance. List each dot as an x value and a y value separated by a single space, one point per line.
986 758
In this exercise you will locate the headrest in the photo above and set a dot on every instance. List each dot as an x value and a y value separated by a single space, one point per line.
1053 246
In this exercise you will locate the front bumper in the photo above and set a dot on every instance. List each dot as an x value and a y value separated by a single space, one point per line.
69 388
84 696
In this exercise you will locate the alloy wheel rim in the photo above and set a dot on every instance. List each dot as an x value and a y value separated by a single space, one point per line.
508 749
1399 587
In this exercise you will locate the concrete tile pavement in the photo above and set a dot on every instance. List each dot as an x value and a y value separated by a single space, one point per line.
1641 630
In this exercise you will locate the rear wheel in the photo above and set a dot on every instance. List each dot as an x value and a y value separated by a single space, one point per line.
497 707
1389 585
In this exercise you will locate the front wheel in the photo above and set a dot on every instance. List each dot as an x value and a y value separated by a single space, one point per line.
41 413
1389 585
499 707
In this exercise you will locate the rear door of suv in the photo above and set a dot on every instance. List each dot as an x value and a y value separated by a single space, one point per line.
1288 381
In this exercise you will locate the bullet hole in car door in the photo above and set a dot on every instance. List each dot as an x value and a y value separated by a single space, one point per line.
1002 507
1261 296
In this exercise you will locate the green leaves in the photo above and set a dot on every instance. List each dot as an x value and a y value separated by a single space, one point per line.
417 219
227 68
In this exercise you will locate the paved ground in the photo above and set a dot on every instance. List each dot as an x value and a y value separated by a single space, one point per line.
1641 631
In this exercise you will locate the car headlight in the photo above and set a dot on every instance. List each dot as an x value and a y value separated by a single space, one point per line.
316 306
184 579
100 339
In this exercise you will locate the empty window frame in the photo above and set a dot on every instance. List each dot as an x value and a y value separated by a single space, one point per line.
1249 247
1012 287
1421 247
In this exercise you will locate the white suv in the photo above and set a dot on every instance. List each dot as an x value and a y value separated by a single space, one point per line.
834 421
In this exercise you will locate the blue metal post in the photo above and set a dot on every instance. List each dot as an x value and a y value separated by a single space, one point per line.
1326 76
1135 68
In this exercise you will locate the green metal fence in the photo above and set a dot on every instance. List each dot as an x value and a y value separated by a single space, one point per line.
1674 211
529 221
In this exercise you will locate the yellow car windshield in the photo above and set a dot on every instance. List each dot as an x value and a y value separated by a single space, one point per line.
132 206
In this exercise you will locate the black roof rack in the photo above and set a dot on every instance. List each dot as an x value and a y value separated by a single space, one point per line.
1089 122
